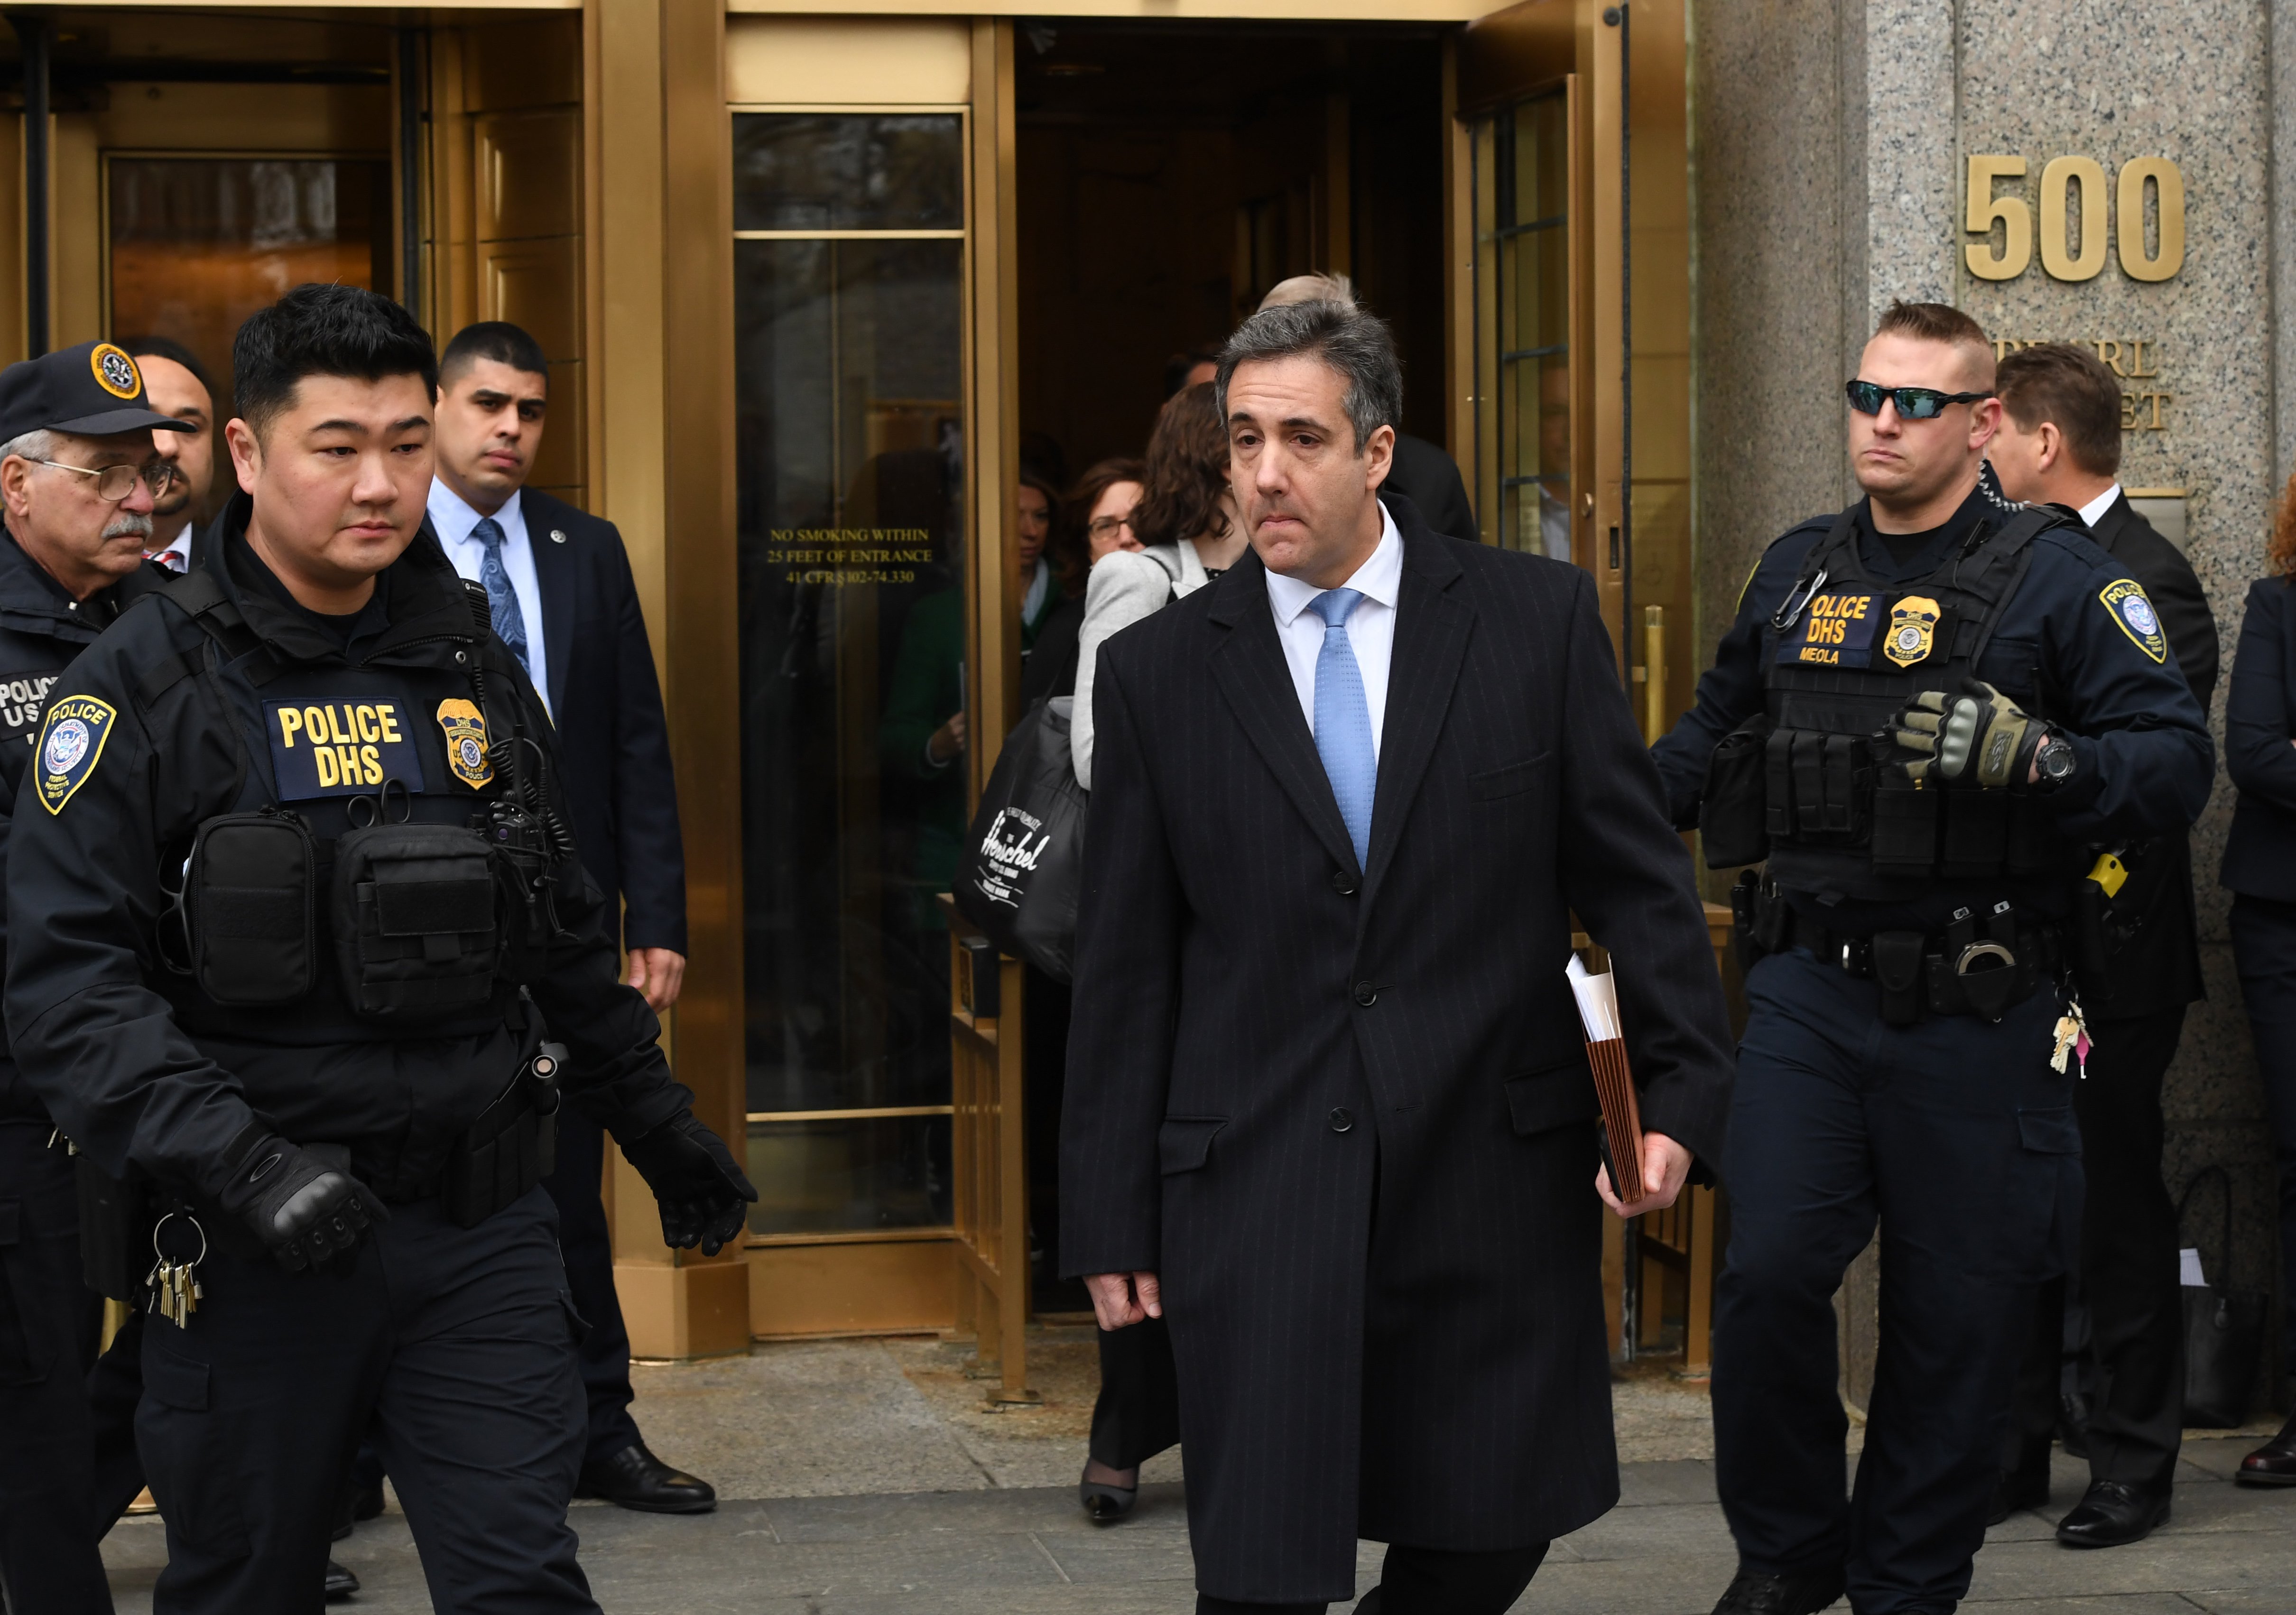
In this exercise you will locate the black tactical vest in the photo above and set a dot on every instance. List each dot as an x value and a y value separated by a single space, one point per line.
367 873
1816 784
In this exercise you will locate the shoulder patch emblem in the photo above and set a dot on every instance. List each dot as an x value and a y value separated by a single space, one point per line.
2125 600
71 742
466 742
1913 630
115 372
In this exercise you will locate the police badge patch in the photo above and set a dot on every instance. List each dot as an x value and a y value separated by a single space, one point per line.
2125 600
1913 630
115 372
466 742
70 742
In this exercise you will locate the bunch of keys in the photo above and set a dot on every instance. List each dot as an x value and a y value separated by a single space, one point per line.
2072 1039
174 1285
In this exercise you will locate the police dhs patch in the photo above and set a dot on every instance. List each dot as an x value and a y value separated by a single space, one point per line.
466 742
2125 600
70 742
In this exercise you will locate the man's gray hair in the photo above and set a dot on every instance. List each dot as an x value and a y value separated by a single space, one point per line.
38 444
1356 344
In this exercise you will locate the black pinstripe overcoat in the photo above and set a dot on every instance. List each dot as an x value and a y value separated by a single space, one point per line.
1346 1113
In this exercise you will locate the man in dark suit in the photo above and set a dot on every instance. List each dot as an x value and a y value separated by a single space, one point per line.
1329 1108
179 386
565 602
2060 444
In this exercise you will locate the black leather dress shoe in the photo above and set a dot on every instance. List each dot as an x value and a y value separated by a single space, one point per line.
2274 1463
2113 1514
2017 1489
635 1479
1805 1593
340 1583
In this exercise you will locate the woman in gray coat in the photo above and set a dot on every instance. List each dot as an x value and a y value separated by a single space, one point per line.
1186 522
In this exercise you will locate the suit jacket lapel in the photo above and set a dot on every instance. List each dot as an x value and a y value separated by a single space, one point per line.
554 568
1248 666
2111 525
1431 628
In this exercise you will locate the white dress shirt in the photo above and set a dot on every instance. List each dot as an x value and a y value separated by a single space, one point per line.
173 553
1371 625
2093 510
453 519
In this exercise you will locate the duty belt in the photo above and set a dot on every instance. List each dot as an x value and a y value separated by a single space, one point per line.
1981 966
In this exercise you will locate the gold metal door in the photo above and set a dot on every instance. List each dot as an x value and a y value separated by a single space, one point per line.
1570 303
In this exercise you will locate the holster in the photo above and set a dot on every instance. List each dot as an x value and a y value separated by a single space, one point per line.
511 1146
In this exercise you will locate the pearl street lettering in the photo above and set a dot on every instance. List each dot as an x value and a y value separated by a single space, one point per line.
339 748
2136 359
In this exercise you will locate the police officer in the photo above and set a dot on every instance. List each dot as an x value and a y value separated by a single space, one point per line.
78 476
310 965
1927 707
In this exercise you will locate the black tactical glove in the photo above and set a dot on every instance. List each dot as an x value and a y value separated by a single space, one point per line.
305 1210
702 1193
1978 740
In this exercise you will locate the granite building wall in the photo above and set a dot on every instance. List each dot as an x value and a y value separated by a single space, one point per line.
1830 145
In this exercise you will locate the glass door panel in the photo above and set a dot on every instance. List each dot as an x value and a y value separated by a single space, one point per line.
196 244
1522 188
848 262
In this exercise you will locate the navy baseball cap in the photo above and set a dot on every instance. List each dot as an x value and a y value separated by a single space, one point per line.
93 390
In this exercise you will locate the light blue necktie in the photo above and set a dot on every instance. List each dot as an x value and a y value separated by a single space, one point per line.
502 594
1343 719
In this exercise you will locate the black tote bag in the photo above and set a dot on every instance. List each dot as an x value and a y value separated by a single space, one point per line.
2224 1330
1023 861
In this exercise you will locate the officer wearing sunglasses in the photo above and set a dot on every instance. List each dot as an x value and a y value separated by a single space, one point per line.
1932 710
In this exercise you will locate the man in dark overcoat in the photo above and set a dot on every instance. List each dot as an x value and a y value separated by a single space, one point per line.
1330 1110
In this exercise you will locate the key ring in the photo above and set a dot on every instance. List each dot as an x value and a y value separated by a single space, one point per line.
169 1217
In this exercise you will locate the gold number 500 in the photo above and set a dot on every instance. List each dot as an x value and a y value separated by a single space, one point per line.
2059 181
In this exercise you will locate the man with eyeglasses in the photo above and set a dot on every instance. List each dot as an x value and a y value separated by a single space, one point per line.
1930 710
79 477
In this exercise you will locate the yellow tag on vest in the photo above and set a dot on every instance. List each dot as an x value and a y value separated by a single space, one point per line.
466 742
2110 872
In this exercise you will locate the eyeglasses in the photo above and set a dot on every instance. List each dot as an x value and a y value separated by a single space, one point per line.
1107 527
116 482
1913 403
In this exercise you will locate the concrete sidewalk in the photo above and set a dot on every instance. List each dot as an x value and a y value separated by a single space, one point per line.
864 1479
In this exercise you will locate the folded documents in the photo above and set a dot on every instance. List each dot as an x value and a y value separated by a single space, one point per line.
1614 1081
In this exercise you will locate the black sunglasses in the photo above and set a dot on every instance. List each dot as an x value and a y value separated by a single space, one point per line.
1913 403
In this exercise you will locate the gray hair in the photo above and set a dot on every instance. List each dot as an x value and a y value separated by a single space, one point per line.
1324 286
38 444
1356 344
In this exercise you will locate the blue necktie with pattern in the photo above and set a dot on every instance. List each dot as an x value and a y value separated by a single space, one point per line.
502 594
1343 719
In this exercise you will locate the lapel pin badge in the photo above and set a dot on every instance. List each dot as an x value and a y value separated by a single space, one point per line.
556 537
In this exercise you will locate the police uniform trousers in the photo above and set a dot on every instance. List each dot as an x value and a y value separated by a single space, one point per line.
2264 952
1957 1135
458 1343
50 1322
588 1247
2125 1281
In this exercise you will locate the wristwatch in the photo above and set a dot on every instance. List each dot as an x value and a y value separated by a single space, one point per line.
2053 761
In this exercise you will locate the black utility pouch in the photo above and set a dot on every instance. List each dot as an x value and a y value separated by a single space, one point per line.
1976 834
511 1146
1732 825
1898 960
249 902
1778 785
1904 827
414 922
115 1231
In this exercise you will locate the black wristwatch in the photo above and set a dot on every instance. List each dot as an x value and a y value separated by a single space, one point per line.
2053 761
